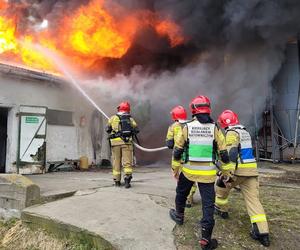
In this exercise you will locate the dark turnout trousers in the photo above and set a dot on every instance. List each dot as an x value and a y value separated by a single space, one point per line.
207 192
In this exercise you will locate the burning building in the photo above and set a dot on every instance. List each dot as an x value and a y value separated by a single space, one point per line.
44 120
157 54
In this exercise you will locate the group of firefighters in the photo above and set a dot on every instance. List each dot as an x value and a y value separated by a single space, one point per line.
202 156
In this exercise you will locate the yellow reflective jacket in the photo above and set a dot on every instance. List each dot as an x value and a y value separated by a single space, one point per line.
232 139
114 124
204 172
174 131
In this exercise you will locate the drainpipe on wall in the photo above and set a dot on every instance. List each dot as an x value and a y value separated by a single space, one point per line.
19 142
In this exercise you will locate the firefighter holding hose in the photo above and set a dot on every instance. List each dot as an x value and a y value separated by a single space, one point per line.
121 129
200 145
179 116
242 171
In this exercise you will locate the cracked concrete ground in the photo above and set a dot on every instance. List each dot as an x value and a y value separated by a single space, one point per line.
135 218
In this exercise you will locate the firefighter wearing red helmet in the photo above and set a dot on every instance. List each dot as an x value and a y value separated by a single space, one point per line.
121 128
179 116
242 171
199 145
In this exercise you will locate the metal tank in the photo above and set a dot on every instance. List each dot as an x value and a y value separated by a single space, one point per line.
286 104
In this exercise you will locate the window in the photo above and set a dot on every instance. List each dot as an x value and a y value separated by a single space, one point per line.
58 117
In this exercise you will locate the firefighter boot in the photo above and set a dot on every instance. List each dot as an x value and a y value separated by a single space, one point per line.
117 183
206 241
222 214
208 245
262 238
127 180
178 218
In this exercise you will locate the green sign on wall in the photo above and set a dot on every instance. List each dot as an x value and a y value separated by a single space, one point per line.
31 119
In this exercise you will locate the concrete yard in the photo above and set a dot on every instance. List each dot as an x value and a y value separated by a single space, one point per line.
59 183
135 218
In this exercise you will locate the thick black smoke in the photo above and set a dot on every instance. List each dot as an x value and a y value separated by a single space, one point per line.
233 50
211 23
225 25
207 24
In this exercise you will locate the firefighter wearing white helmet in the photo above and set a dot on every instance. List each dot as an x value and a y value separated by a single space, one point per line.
199 146
242 171
179 116
121 128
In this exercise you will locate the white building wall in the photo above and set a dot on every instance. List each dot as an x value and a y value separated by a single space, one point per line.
67 146
62 141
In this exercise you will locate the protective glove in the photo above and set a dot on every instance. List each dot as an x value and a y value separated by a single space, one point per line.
224 180
108 129
220 182
170 144
136 131
177 153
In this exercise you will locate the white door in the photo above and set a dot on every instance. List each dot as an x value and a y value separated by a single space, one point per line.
32 136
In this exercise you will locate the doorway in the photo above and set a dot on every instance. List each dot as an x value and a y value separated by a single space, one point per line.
3 138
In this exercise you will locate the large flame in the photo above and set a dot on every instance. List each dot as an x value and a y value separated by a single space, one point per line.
7 35
94 33
90 34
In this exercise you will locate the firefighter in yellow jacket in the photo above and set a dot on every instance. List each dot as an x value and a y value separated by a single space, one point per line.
121 128
243 166
200 145
179 116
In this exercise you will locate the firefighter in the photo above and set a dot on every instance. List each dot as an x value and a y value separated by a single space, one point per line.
179 116
199 146
242 171
121 128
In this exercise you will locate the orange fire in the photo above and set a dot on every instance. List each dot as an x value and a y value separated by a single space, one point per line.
3 4
91 34
87 36
171 30
19 49
7 35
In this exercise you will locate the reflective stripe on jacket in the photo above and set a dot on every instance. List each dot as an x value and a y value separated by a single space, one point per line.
174 131
246 150
238 136
201 171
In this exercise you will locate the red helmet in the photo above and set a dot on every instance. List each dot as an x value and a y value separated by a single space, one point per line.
228 118
124 107
200 105
178 113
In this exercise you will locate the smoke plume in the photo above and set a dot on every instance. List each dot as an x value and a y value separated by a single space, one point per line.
227 26
232 51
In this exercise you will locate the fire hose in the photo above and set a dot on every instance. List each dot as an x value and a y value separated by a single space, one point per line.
135 143
59 63
149 149
68 75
